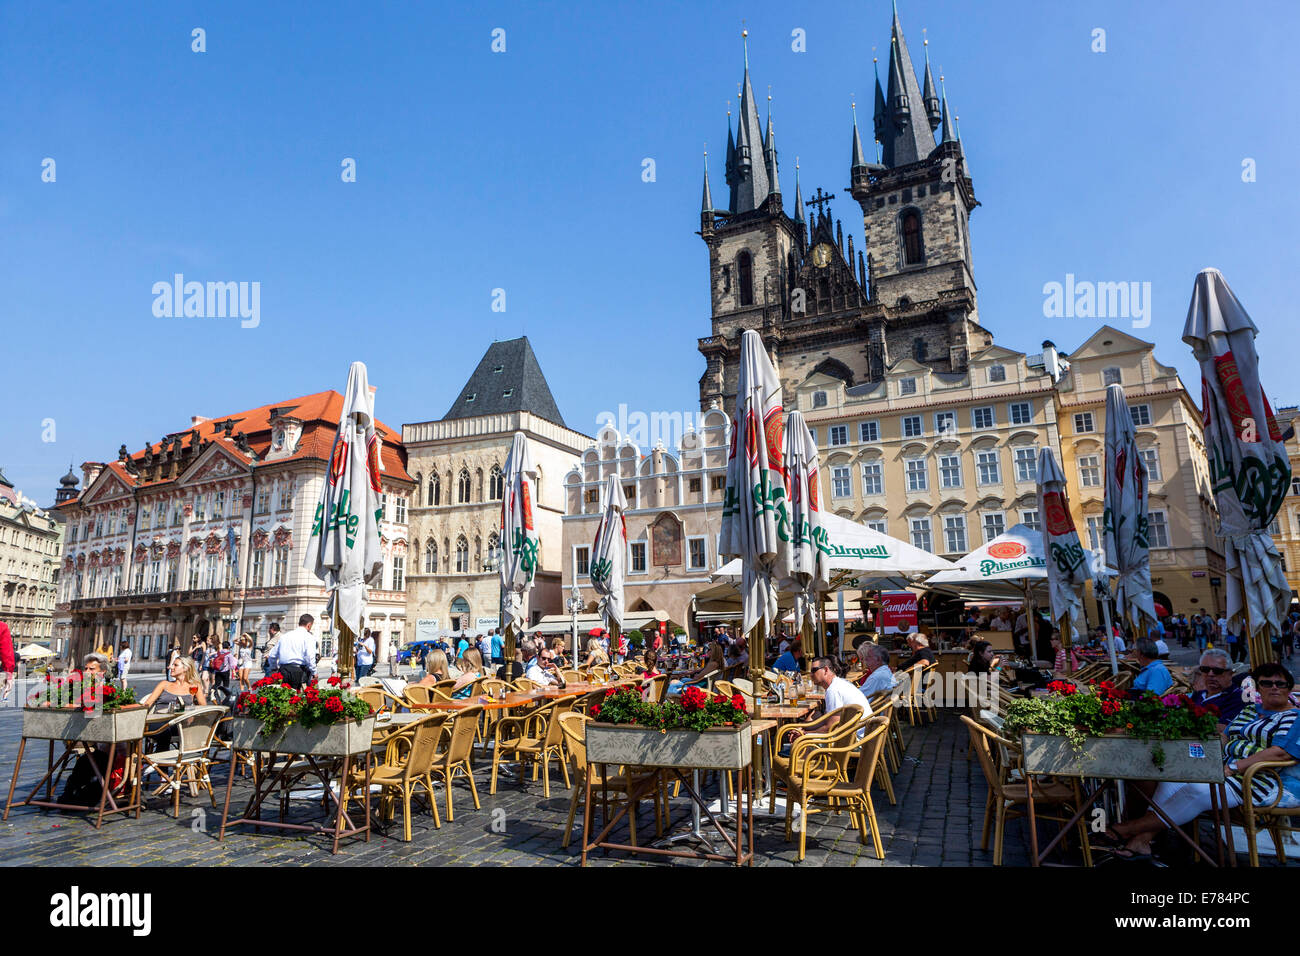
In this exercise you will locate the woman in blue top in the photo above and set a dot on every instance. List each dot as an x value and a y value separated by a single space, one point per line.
1261 732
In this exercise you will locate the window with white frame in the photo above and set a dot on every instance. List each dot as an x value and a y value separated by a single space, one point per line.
1110 376
200 507
212 572
1295 487
582 555
841 482
917 474
280 569
950 471
696 554
1089 471
1022 413
1158 529
1151 458
1141 414
907 386
990 470
258 574
954 534
286 497
638 557
839 434
997 373
155 575
869 431
399 510
1026 464
945 424
872 482
383 506
920 528
193 573
912 426
1083 423
982 417
1095 531
219 505
263 502
994 524
879 524
145 516
399 572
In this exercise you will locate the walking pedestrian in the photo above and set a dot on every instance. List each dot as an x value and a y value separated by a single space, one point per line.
365 654
245 661
272 642
296 653
8 662
124 656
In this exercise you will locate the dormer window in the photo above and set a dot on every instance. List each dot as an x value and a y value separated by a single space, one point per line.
1110 376
997 373
507 393
819 400
470 397
907 386
499 368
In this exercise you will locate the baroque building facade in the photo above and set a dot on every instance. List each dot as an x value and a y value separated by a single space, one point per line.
458 466
31 540
204 533
1286 527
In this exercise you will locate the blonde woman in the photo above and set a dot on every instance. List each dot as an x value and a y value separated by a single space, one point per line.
435 668
182 684
471 669
245 660
595 654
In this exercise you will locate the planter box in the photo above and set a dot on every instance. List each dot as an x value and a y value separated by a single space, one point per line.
63 723
719 748
1125 758
335 740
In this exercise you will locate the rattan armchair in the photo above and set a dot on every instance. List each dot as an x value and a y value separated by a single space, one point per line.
821 775
404 775
381 700
455 758
188 761
786 769
631 786
534 736
1255 817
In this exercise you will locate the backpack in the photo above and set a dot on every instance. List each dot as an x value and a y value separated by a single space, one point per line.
223 662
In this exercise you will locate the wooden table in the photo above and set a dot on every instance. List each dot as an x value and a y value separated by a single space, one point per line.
509 702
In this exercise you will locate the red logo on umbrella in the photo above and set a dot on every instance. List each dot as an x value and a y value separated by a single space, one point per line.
775 430
527 510
372 462
1055 514
813 503
339 462
1120 471
751 438
1006 550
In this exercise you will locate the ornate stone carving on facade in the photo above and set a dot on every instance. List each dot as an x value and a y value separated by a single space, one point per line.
195 545
283 537
213 544
261 539
93 559
173 549
140 552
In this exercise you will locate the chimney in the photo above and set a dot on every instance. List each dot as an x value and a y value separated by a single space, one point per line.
90 471
1054 363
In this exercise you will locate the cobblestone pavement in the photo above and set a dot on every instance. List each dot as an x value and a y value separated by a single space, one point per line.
936 822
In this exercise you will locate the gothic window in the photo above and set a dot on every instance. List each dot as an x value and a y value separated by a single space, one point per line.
913 244
431 557
494 542
496 483
419 488
463 486
462 555
918 349
478 484
745 271
435 490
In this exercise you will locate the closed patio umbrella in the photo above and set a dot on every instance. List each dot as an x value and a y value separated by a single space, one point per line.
519 541
609 561
1250 471
1066 560
804 572
1126 523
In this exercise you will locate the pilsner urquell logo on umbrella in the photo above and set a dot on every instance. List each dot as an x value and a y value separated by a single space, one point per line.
519 564
1125 522
1066 566
609 554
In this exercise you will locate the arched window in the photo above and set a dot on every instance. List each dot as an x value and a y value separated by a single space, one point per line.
431 557
496 483
478 484
435 490
462 555
462 487
745 269
913 243
494 542
918 349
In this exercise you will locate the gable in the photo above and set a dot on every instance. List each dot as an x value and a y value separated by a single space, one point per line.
215 462
107 487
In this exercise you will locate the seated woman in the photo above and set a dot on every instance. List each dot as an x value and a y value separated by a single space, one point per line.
712 667
557 653
435 668
1261 732
182 684
83 788
982 659
596 655
471 670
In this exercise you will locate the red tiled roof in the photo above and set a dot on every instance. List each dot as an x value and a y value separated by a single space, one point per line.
319 414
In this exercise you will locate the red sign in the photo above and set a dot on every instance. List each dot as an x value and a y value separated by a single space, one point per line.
1006 550
897 611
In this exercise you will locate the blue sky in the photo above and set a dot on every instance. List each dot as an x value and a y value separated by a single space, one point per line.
522 171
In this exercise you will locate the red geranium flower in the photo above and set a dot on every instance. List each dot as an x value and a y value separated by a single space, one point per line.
738 701
693 699
335 680
610 691
334 705
595 710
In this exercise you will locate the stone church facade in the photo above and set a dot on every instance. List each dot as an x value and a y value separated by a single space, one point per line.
820 305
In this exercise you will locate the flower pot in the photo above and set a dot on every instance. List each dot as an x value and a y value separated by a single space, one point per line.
73 723
333 740
718 748
1125 758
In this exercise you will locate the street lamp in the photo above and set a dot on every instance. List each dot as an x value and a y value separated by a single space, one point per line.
574 606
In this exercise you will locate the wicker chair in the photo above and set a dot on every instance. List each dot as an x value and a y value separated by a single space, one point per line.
1254 817
574 727
405 774
418 694
188 761
455 758
821 776
380 700
534 736
786 769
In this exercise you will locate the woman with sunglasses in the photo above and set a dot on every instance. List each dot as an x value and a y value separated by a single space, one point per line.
1261 732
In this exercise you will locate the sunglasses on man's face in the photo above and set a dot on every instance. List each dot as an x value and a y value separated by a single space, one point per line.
1213 670
1272 683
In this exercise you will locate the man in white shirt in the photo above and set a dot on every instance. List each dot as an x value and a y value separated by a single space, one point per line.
540 673
839 693
365 651
1223 630
295 655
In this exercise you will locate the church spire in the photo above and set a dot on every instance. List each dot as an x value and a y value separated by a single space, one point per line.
798 195
752 179
904 137
859 160
949 131
932 109
769 151
706 203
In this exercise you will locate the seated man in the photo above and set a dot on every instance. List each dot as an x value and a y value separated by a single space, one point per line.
876 675
1154 676
1217 691
920 645
736 655
839 693
540 672
791 662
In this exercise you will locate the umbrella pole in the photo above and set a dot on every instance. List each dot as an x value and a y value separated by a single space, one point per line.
346 640
1110 636
1030 619
757 658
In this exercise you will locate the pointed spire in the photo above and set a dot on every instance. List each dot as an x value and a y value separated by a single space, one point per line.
881 109
751 168
859 160
904 137
949 132
932 111
798 193
706 203
769 151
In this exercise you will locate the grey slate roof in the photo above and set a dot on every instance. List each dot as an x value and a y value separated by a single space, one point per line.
907 138
520 376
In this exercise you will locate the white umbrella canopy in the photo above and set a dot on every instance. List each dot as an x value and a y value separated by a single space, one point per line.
34 652
1126 523
755 513
804 572
519 539
344 549
1249 466
1066 558
609 554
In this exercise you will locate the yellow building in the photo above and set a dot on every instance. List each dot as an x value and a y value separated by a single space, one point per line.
1186 555
1286 527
